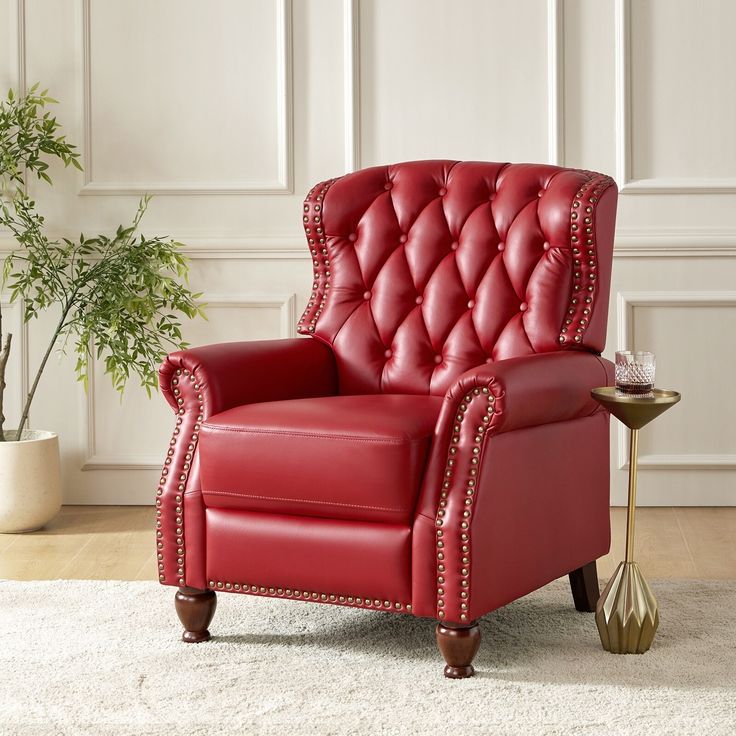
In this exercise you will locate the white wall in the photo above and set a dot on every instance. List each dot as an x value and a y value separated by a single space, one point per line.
230 111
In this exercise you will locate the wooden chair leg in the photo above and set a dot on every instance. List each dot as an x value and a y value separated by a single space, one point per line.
584 585
195 609
458 644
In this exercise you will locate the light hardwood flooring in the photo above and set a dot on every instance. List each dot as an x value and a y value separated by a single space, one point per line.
117 543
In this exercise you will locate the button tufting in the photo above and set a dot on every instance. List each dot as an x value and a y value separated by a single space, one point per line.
388 353
419 270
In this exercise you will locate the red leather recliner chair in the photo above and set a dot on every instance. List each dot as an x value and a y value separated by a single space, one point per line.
430 445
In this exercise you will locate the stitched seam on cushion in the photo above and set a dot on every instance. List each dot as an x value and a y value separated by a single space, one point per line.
346 437
302 500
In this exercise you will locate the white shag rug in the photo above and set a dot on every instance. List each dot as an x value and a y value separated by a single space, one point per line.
84 657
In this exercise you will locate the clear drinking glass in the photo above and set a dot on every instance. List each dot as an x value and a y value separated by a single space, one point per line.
635 372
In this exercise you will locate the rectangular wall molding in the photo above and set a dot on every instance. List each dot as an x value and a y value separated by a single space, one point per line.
675 243
624 164
351 82
626 302
20 41
555 83
283 184
286 303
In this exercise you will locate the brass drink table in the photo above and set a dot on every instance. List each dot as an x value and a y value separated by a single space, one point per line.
626 613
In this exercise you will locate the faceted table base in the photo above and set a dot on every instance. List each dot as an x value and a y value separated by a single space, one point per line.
626 613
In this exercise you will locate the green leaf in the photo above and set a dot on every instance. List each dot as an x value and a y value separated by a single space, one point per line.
122 299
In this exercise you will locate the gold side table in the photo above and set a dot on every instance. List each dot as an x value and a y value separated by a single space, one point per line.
626 613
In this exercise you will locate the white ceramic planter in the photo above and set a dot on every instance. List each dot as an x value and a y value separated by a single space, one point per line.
30 481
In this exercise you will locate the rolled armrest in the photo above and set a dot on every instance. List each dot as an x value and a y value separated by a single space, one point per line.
485 402
535 389
236 373
504 396
204 381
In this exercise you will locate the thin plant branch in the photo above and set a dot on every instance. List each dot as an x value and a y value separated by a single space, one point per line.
124 294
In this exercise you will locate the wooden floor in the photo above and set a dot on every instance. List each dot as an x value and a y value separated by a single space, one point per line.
117 543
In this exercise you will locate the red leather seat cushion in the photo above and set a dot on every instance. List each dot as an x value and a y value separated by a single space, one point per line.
343 457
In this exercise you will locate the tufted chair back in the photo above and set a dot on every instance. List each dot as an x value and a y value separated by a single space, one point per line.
423 270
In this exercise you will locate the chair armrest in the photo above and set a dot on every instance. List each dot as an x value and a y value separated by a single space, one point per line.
502 397
235 373
487 401
535 389
204 381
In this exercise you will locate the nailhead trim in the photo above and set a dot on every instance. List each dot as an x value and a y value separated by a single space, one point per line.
309 595
582 240
317 241
476 418
178 475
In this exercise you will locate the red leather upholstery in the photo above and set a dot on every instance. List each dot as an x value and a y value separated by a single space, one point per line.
424 270
540 509
294 456
324 560
431 446
500 400
203 381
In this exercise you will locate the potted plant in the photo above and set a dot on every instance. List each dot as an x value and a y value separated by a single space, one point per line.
117 298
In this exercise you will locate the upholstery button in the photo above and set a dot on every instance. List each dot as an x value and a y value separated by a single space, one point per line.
546 246
402 239
523 307
501 246
419 299
438 359
489 360
387 185
367 295
454 246
540 192
471 304
442 192
388 353
352 237
491 197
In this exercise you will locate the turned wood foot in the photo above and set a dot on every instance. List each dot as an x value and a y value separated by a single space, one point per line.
584 585
195 609
459 644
